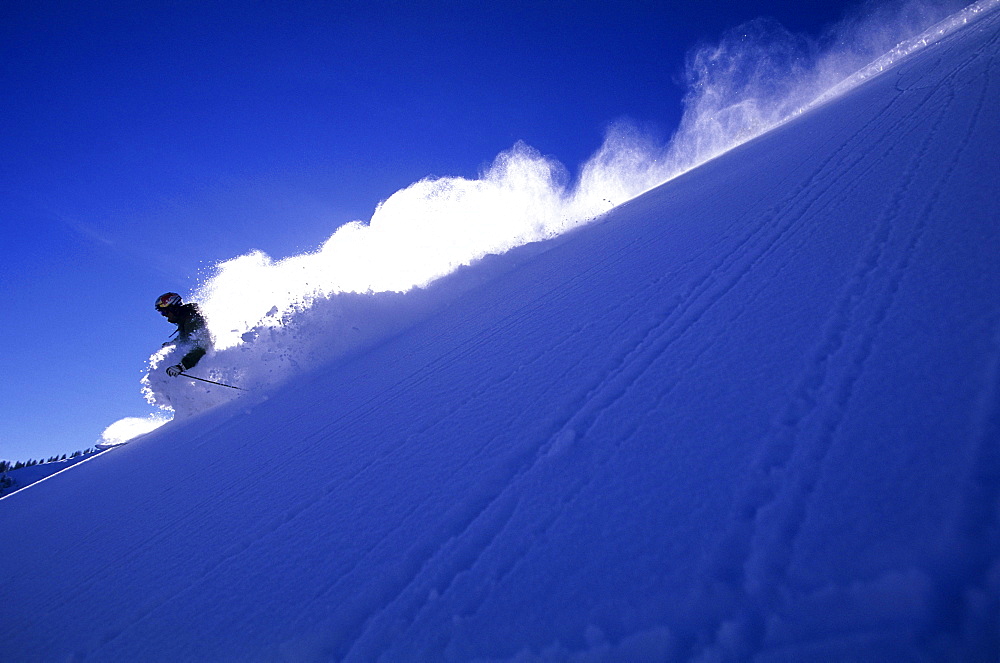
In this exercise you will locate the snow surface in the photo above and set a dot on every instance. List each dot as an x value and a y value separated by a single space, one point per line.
751 414
25 476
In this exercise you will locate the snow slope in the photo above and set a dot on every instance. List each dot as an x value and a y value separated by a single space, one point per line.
753 413
26 476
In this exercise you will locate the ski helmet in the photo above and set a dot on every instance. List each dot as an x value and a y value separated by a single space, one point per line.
167 300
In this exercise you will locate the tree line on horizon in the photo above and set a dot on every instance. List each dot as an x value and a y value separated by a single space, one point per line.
8 466
7 482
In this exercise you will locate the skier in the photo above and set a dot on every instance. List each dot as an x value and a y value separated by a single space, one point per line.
191 330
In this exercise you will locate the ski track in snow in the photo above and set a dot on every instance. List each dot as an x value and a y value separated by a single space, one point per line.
490 514
641 346
977 529
792 460
822 398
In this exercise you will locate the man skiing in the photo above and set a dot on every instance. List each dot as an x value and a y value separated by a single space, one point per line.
191 330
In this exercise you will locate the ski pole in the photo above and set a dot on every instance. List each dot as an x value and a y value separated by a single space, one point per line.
221 384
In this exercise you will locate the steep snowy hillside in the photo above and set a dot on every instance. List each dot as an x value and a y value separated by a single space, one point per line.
753 413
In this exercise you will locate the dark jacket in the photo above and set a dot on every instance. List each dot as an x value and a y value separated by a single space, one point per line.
192 331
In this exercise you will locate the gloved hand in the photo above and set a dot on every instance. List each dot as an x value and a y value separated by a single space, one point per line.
174 371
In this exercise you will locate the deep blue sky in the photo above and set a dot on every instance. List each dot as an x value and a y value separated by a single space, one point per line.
142 145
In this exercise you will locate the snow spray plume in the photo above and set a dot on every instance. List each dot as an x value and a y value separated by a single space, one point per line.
128 428
416 236
267 316
760 75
